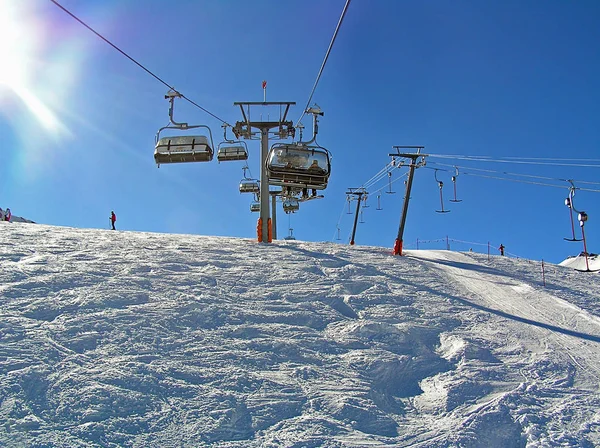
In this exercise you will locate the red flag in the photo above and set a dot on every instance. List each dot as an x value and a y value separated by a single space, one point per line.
264 84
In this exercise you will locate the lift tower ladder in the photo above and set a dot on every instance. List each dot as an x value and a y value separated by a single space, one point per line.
284 130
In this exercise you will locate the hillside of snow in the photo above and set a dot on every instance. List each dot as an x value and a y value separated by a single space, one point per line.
123 339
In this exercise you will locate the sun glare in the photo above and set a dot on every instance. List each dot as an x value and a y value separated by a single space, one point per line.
17 53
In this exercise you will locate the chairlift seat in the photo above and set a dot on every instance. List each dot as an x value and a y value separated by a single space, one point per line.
232 153
291 205
249 186
298 165
255 207
193 148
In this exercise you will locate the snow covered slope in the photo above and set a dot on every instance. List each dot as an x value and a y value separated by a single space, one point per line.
112 339
581 264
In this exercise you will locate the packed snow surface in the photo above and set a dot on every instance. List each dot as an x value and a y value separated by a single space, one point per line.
122 339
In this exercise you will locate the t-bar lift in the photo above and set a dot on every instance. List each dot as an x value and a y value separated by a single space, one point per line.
413 164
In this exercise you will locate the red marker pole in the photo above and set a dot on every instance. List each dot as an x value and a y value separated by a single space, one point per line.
264 86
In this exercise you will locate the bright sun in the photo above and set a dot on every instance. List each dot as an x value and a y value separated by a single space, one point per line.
17 51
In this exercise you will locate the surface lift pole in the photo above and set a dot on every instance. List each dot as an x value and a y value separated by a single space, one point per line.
413 165
356 192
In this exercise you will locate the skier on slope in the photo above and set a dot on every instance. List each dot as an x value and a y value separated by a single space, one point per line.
7 214
113 219
501 249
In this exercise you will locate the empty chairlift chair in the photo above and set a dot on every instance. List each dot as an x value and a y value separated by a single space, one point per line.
232 151
182 148
249 186
290 205
193 148
298 165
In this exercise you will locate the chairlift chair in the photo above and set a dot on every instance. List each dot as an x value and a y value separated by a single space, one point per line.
191 148
249 186
290 205
230 150
255 207
290 236
180 149
298 165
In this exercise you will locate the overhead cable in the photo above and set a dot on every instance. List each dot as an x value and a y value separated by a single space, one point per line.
491 160
134 61
513 174
337 28
527 182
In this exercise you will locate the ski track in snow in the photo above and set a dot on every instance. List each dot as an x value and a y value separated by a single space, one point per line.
114 339
543 322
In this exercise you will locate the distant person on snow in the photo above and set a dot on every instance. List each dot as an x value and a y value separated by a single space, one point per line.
501 249
113 219
7 215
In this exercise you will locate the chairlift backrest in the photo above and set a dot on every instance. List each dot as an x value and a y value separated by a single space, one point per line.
192 148
249 186
290 205
232 151
299 165
255 207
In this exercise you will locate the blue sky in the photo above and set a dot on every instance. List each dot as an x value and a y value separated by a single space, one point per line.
497 79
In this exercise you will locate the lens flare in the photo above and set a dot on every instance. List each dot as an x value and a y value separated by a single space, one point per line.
19 48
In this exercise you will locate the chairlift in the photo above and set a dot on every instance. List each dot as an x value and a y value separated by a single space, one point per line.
255 206
338 234
249 185
348 199
290 236
441 185
290 205
303 164
181 149
379 202
454 183
362 221
231 150
298 165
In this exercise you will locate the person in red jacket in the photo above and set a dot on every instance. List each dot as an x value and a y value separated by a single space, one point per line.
7 215
501 249
113 219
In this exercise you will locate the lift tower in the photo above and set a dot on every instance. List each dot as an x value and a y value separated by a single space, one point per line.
413 164
282 130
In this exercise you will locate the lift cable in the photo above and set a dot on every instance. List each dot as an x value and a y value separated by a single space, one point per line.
337 226
527 182
524 162
515 174
135 62
387 185
546 159
381 174
337 28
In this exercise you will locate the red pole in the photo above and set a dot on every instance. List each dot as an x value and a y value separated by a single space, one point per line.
587 264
